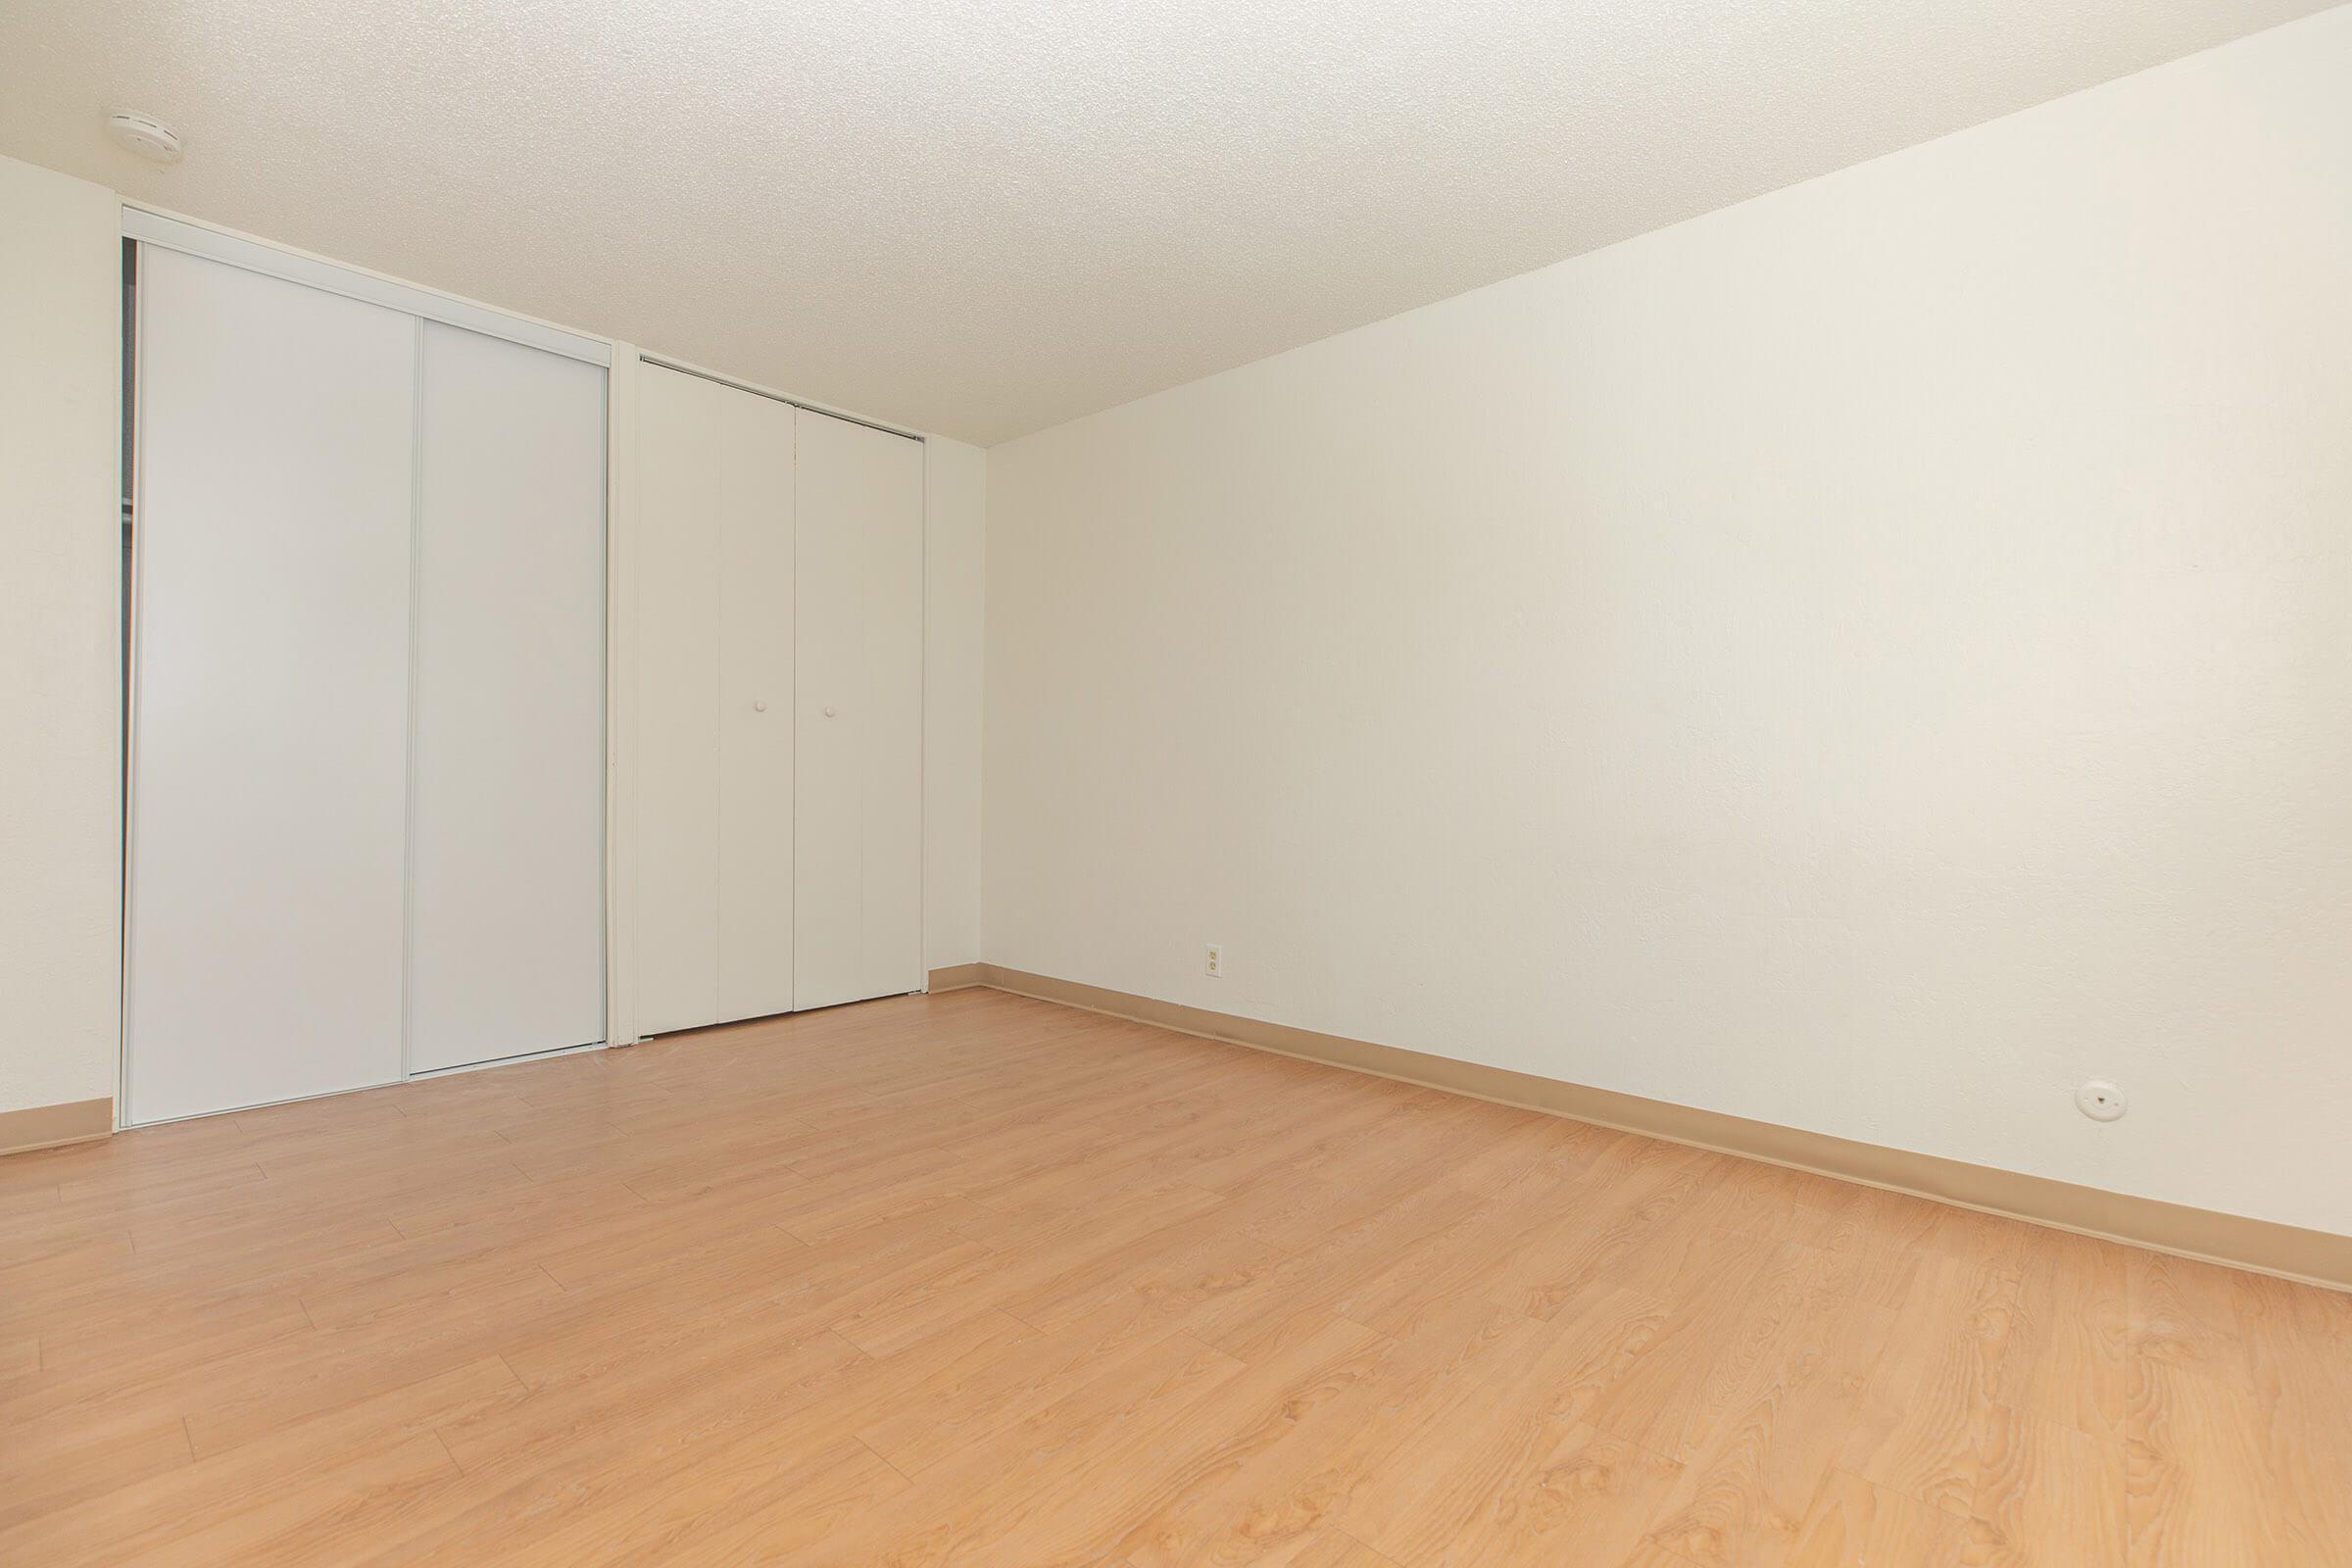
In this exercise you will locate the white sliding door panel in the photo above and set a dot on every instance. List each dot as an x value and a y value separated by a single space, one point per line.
507 818
754 704
715 734
269 796
860 713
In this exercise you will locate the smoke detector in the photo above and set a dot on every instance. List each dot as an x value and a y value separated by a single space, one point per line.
144 134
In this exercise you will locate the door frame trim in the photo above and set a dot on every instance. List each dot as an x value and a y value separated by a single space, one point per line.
155 226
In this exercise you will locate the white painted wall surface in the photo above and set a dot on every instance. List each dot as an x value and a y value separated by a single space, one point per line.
955 536
1865 659
60 557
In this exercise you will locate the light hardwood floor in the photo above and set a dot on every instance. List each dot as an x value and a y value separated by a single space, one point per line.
978 1280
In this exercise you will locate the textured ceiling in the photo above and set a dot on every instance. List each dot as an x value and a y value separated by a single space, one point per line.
981 219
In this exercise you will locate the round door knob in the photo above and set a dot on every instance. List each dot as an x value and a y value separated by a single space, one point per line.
829 713
758 708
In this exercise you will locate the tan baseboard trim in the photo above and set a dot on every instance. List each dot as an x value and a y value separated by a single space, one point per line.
957 976
48 1126
2314 1257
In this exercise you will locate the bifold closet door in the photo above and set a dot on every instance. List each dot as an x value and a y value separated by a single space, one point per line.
268 747
857 787
507 766
715 722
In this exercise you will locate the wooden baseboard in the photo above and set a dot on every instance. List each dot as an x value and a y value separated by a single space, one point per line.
2265 1247
957 976
48 1126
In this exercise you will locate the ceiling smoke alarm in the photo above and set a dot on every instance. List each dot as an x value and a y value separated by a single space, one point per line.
145 135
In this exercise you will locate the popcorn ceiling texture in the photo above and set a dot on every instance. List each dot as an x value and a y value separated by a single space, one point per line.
982 220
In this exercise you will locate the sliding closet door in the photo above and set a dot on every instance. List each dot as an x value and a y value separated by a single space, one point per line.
268 769
859 784
714 775
507 821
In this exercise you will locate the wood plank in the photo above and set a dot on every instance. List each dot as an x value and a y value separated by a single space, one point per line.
1852 1524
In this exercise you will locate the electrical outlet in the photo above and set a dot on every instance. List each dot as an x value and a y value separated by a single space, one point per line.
1216 961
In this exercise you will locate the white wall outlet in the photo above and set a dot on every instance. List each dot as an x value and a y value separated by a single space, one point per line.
2099 1100
1216 961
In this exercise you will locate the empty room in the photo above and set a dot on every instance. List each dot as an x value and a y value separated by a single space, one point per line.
1177 785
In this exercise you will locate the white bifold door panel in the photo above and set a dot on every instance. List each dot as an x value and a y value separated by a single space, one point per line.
268 747
506 761
715 722
857 791
755 742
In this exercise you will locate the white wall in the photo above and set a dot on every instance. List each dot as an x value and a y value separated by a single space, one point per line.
955 513
1864 659
61 558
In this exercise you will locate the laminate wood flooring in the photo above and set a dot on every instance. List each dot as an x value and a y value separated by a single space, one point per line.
983 1281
